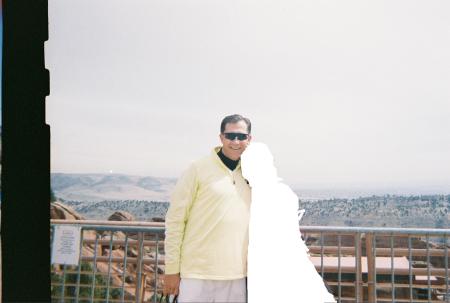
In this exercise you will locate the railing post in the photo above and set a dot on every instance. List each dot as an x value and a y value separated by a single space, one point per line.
358 273
370 266
139 267
155 289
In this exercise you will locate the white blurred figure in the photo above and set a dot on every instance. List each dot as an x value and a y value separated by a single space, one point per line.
279 269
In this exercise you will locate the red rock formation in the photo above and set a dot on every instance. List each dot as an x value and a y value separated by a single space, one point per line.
64 212
121 216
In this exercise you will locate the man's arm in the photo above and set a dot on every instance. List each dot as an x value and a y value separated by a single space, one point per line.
177 215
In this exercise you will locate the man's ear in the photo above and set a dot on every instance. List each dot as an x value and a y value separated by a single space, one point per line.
221 138
249 138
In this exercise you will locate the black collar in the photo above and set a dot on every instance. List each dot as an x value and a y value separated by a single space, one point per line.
231 164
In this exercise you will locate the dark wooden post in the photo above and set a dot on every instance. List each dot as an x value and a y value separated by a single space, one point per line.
25 175
371 275
358 273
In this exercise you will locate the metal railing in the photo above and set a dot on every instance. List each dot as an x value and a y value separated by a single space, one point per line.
382 264
124 262
119 262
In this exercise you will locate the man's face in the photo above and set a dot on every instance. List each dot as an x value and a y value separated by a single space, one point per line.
234 148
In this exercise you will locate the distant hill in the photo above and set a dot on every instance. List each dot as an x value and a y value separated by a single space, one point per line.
101 187
431 211
427 211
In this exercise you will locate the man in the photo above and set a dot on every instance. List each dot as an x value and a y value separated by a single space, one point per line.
207 223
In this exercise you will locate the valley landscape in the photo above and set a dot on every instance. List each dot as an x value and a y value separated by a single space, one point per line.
97 196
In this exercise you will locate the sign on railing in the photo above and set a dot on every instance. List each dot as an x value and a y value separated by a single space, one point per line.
66 244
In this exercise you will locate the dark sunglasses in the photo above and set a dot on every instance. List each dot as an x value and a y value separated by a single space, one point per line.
239 136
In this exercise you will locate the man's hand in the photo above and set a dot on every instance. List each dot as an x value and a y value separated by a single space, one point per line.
171 284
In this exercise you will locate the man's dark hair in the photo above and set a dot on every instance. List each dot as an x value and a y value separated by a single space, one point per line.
235 119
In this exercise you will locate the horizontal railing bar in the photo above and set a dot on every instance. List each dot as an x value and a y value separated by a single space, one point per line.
397 285
149 286
95 299
331 229
115 260
85 285
352 284
105 222
85 273
123 228
434 286
414 252
416 271
334 269
377 230
407 300
145 229
119 260
398 252
331 269
131 242
397 271
331 249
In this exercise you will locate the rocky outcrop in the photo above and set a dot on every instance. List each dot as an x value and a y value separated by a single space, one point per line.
141 210
121 216
64 212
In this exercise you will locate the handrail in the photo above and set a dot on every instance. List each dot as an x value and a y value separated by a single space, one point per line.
379 230
106 222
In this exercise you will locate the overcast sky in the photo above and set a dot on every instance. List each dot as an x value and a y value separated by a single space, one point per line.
345 93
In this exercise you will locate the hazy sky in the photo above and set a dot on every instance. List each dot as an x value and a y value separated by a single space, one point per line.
345 93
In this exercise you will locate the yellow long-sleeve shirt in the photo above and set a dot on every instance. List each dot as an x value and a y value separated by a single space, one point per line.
207 222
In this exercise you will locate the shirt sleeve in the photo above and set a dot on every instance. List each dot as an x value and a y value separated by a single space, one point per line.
177 215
